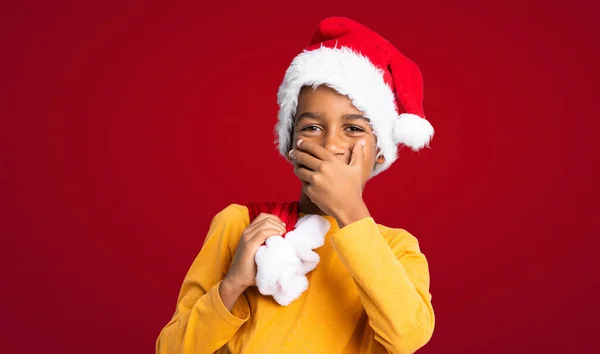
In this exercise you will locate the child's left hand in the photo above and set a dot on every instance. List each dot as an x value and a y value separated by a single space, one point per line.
335 187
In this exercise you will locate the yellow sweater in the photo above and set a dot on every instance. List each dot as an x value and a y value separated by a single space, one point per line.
369 294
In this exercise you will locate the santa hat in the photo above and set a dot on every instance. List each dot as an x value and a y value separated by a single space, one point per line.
282 262
381 82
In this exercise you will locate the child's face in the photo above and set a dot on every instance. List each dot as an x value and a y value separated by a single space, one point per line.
329 119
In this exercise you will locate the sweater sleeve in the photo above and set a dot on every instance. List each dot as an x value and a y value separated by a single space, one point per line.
393 283
202 323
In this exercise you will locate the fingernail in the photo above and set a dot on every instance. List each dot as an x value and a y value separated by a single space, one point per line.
291 154
362 142
283 223
299 142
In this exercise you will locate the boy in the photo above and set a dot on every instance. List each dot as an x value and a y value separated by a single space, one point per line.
339 124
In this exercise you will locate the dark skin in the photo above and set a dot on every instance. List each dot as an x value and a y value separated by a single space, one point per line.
333 152
330 161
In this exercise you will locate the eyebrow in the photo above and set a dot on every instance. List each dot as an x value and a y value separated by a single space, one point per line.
356 116
313 115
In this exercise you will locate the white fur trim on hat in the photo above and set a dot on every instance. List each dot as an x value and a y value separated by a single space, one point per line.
353 75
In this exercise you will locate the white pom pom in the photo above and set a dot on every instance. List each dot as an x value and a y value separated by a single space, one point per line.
412 131
274 260
309 232
291 287
281 264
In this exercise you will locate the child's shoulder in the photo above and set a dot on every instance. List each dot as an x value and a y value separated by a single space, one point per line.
227 225
233 211
232 216
399 239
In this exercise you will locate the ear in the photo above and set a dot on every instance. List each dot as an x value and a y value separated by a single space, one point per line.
380 158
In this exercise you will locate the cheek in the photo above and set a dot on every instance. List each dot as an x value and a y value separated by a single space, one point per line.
294 139
313 137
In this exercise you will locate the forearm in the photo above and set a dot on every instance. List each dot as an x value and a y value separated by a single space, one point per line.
205 327
393 289
230 293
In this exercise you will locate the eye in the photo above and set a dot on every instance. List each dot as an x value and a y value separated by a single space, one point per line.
355 129
310 128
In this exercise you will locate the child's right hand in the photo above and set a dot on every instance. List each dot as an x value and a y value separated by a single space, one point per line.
242 273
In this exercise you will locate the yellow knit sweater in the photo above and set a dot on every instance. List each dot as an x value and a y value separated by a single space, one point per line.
369 294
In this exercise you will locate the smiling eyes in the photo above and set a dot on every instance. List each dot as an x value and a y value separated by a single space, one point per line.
352 129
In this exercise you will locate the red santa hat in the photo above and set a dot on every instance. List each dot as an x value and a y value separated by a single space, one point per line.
381 82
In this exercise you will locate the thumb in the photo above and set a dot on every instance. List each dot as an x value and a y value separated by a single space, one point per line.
358 153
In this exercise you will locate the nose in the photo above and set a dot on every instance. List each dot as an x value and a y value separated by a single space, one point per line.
335 143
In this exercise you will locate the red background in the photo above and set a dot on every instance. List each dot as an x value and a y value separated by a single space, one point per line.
126 127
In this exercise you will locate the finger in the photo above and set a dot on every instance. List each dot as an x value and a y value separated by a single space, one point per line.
316 150
358 153
306 159
265 225
261 235
308 191
256 224
271 224
263 216
303 173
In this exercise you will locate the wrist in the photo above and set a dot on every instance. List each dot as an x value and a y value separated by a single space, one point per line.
229 293
230 286
357 212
